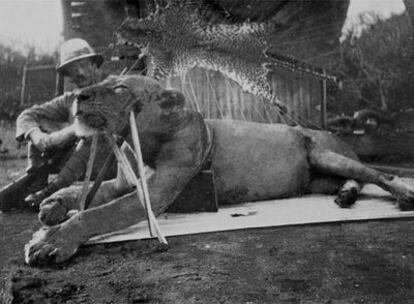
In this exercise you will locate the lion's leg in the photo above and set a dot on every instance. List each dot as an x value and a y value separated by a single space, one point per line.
326 161
325 185
61 241
164 186
54 209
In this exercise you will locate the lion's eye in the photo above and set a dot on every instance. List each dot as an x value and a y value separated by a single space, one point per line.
120 89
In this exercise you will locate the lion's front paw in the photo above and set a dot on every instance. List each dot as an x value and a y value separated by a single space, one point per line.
52 245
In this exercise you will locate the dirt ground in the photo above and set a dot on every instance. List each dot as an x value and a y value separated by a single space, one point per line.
366 262
371 262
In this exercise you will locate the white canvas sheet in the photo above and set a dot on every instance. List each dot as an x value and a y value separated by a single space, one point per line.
374 203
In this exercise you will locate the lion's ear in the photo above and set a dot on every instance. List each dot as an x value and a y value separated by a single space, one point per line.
170 98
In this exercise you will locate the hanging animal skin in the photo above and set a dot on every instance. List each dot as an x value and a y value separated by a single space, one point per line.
179 37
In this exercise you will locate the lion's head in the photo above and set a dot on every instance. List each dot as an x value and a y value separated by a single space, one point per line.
106 105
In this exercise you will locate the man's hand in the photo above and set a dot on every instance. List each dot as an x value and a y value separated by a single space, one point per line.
58 139
40 140
62 137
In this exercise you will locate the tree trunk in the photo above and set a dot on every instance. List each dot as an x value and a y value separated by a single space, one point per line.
409 6
384 104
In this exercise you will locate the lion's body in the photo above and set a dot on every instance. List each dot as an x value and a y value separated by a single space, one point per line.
251 161
254 161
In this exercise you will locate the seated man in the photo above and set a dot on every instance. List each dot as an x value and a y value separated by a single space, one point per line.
51 138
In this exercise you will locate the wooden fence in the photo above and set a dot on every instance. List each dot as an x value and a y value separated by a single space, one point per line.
216 96
38 84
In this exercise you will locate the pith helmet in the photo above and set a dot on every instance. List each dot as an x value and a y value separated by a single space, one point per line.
76 49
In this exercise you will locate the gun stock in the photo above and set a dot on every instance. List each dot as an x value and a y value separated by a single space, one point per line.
12 195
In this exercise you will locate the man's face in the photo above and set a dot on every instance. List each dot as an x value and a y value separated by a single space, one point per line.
82 72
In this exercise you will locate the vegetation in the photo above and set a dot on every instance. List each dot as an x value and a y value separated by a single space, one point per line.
376 65
12 62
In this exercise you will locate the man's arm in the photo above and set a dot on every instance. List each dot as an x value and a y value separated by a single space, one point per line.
35 123
44 141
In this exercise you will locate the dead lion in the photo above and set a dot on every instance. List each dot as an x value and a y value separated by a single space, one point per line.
251 162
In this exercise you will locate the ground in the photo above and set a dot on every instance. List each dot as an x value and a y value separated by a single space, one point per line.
366 262
369 262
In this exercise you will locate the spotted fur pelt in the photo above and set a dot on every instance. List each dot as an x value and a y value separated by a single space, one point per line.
180 36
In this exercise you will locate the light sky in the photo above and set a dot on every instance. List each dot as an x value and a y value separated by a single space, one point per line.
39 22
384 8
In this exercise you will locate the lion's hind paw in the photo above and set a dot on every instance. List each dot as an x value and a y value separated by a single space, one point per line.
403 191
406 204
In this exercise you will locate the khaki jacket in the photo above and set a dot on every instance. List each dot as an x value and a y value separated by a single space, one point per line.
50 116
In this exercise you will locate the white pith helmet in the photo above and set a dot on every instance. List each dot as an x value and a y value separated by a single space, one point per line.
76 49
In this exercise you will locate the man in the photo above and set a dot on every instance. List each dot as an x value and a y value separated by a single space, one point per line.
50 135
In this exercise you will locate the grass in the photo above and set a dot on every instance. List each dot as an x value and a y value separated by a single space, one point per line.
12 163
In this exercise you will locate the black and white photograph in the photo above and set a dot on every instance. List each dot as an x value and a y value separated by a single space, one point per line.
206 151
